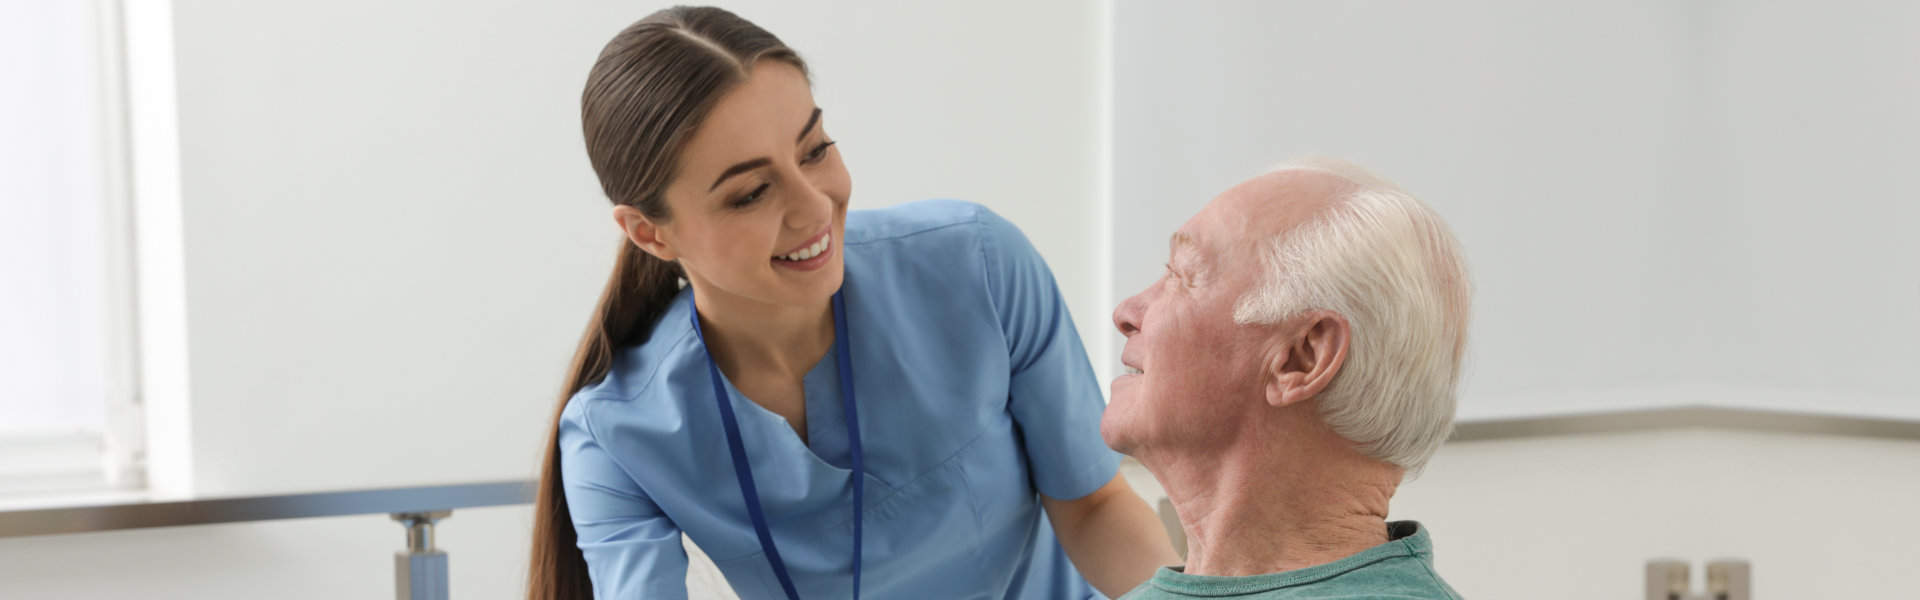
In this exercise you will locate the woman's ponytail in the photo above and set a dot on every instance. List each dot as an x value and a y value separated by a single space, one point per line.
640 289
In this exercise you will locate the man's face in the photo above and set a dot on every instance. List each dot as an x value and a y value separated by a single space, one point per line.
1194 376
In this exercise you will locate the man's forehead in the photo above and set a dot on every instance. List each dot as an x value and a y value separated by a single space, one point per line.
1270 204
1275 202
1196 246
1182 241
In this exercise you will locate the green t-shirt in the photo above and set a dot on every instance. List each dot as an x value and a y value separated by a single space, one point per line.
1402 568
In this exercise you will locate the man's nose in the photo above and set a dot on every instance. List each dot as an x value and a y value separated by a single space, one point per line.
1126 316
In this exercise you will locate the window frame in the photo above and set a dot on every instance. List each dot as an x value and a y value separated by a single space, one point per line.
113 461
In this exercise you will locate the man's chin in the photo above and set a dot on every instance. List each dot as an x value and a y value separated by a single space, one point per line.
1116 434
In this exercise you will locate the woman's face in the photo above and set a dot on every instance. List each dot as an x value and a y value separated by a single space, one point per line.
760 203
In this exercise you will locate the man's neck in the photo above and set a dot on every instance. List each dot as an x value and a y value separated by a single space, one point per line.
781 341
1280 503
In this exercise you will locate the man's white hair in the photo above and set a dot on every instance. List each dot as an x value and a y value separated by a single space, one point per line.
1383 260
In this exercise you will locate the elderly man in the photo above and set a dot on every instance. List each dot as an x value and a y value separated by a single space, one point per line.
1296 361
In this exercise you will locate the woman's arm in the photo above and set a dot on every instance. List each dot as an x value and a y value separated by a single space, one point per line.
1111 535
632 549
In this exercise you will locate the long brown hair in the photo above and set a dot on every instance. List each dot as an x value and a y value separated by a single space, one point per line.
651 88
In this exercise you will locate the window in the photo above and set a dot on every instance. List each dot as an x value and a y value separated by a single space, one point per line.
69 411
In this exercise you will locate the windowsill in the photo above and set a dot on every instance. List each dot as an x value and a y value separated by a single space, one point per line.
75 497
39 469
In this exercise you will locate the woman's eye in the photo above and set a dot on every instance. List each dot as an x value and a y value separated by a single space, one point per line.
819 152
751 197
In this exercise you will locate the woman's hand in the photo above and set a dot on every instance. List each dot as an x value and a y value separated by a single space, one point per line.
1111 535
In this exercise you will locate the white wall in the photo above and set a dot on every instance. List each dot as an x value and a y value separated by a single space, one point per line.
393 237
1578 517
1815 109
1662 202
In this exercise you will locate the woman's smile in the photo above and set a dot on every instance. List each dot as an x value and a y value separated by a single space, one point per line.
809 255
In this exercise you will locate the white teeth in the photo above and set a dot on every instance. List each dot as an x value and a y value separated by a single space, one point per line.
1132 371
810 251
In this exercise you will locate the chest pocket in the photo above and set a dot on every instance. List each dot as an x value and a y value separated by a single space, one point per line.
956 531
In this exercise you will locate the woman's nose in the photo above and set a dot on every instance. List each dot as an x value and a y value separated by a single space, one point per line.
812 207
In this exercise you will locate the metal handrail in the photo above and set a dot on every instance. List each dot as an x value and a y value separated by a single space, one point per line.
420 571
1745 419
209 511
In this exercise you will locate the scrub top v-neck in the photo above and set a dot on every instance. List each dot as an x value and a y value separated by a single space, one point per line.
975 394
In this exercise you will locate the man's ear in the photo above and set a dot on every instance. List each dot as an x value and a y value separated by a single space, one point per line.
1307 357
644 233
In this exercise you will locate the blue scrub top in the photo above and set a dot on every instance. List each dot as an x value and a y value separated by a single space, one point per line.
974 395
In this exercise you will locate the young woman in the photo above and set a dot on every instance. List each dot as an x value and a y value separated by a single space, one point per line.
834 404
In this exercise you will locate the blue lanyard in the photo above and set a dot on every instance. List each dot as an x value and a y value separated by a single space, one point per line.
843 351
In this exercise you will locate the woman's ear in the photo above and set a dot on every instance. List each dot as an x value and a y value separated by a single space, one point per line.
644 233
1307 357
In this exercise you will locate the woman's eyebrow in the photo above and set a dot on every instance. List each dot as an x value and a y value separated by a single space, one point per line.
812 120
738 169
